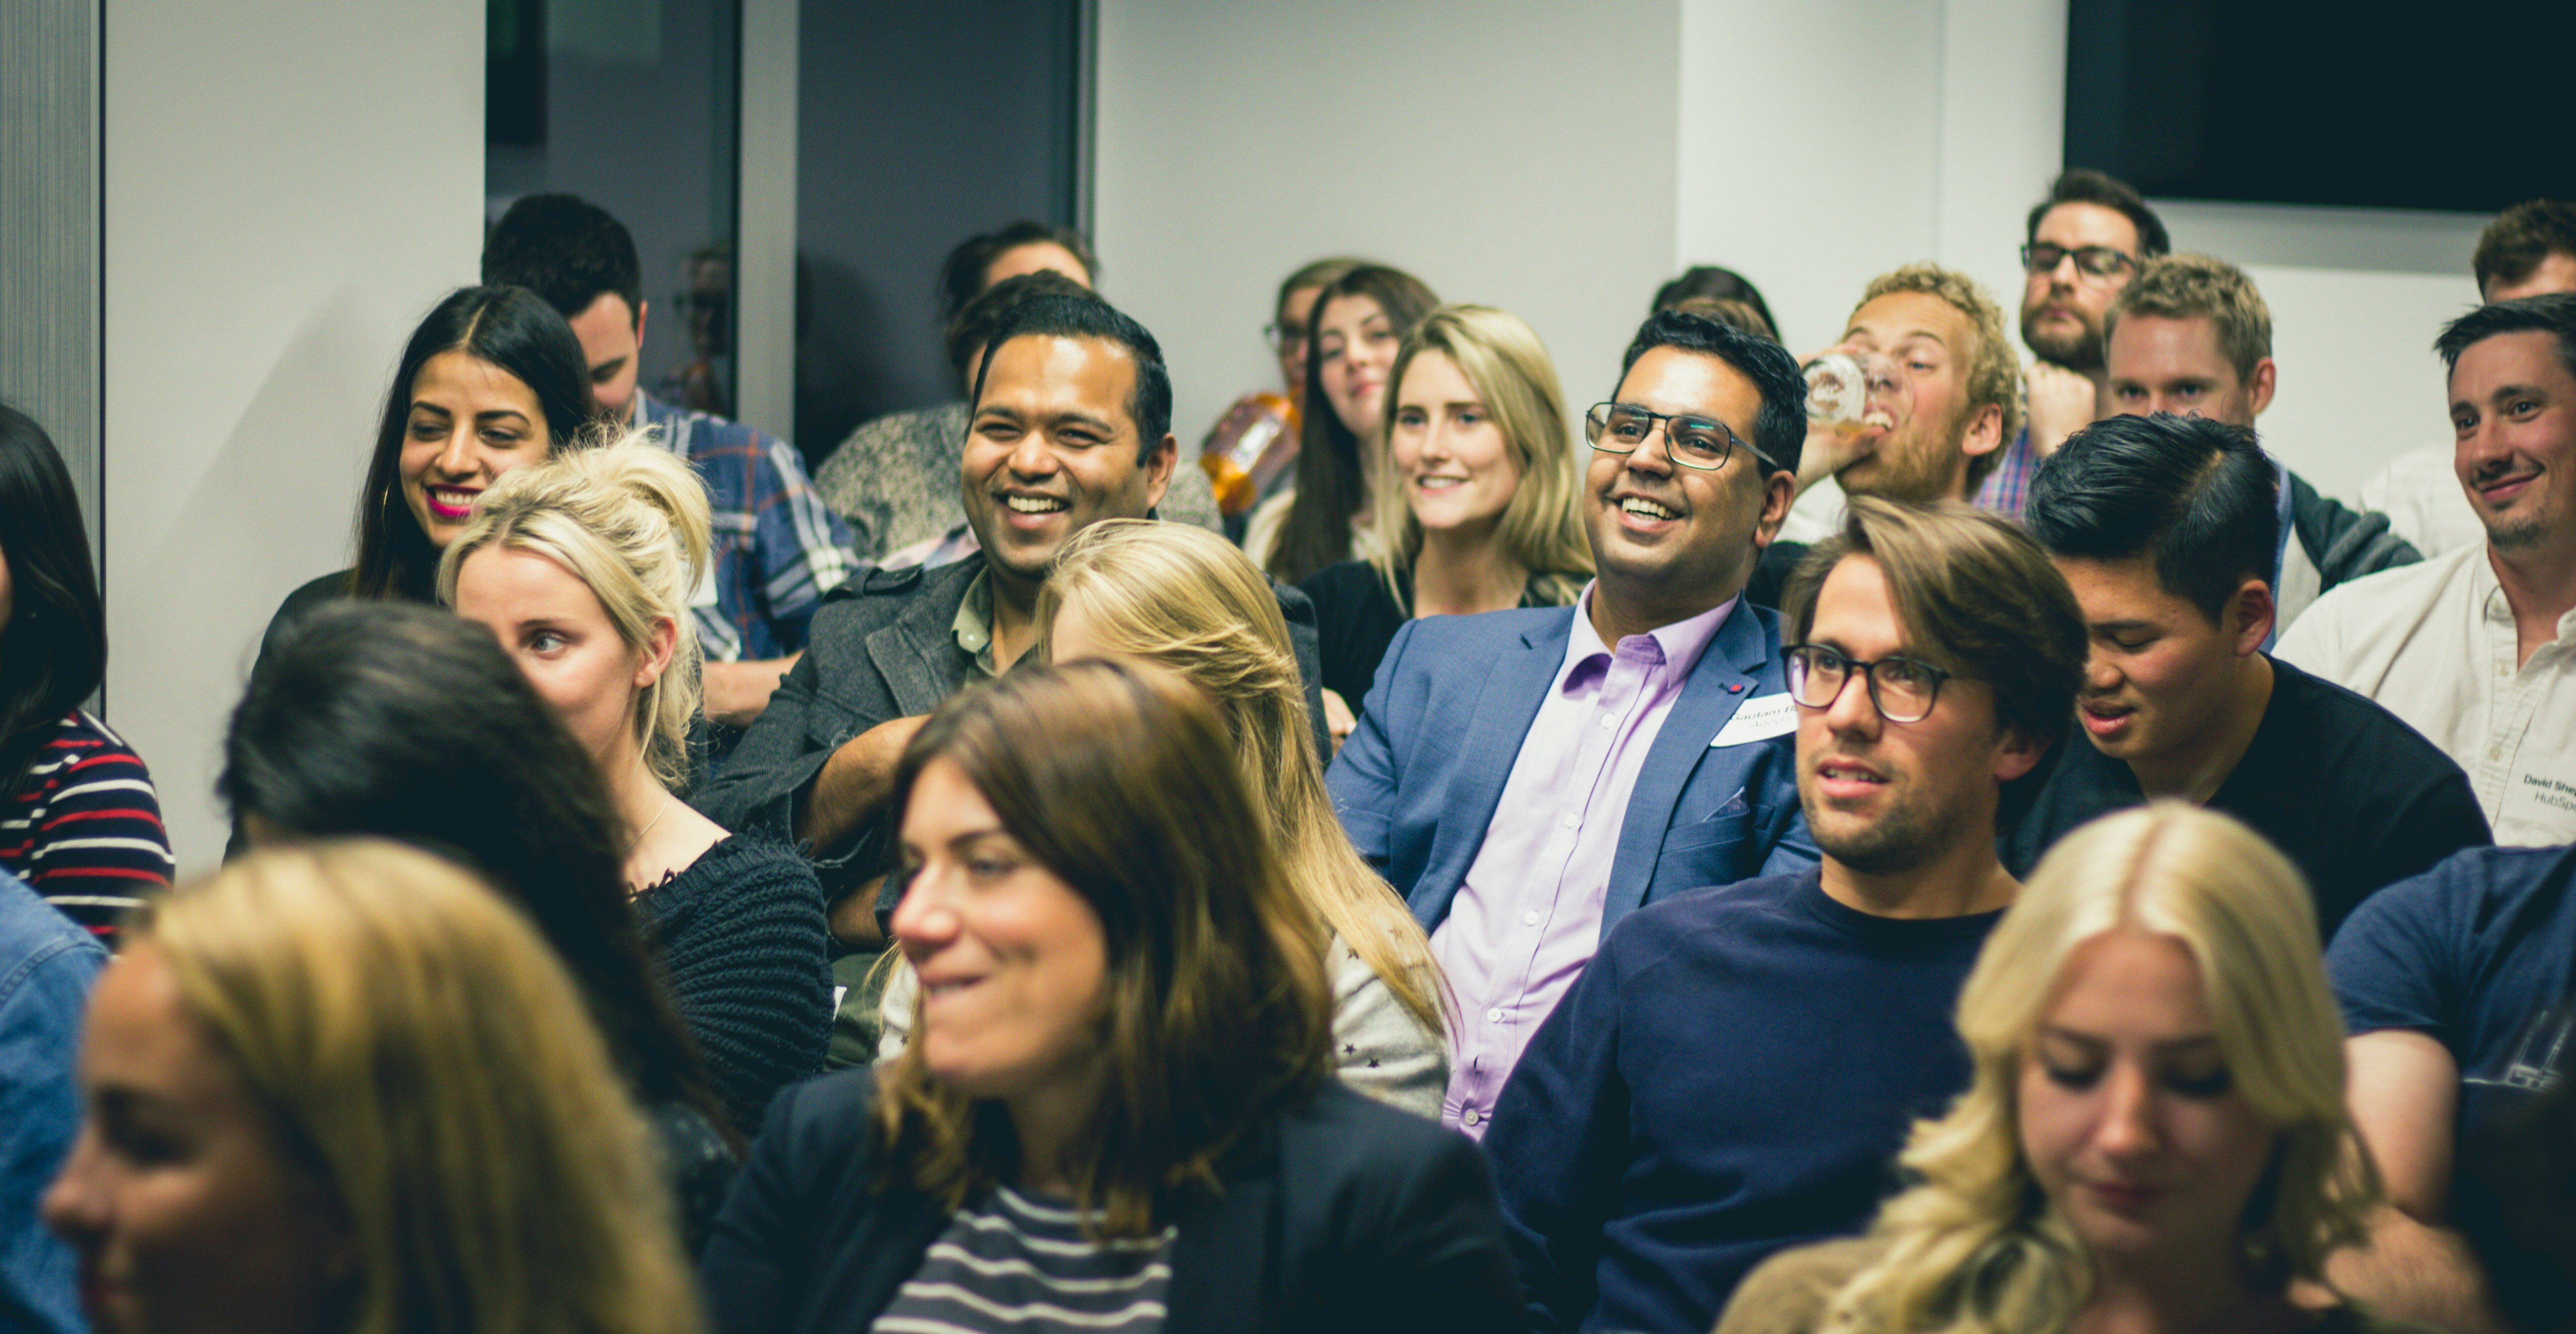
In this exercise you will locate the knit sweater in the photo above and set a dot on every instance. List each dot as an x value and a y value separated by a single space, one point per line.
741 939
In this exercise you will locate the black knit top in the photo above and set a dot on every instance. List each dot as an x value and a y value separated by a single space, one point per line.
741 938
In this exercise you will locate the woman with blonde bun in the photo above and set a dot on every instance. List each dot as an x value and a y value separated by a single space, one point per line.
583 566
1184 599
2155 1141
316 1104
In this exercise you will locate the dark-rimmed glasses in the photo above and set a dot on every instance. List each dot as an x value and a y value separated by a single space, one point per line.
1283 338
1690 441
2093 261
1902 689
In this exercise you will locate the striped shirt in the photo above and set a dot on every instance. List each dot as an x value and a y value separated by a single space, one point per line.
1008 1262
86 834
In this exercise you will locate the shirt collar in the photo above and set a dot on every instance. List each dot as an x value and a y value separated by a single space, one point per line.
1681 642
974 623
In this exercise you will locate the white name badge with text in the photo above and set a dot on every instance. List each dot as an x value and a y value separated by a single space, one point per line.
1760 719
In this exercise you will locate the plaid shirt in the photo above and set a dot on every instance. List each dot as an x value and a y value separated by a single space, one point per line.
2006 490
778 550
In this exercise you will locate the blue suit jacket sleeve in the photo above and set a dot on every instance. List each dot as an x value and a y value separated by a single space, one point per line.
1559 1144
1364 777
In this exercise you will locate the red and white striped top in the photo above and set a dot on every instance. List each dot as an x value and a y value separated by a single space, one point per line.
87 835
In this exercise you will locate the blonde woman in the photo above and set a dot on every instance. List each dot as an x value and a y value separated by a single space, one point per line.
1182 598
2155 1141
317 1104
1475 497
582 566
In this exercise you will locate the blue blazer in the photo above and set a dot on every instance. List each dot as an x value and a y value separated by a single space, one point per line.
1417 783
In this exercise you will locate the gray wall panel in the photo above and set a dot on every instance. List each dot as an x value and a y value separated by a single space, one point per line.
49 221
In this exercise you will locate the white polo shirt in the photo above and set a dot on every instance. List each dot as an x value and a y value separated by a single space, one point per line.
2435 645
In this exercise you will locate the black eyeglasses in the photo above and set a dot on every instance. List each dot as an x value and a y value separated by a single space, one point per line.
2093 261
1282 338
1902 689
1692 442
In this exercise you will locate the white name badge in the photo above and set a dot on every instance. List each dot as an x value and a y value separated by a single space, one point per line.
1760 719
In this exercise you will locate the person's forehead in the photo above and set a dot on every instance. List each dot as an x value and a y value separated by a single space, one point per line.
1299 304
1899 315
1052 373
1856 608
1678 380
2524 357
2080 223
2167 343
1350 308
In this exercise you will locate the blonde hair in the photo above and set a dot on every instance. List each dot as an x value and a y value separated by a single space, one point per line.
2189 287
1189 600
1976 1248
1502 357
1994 373
628 519
427 1056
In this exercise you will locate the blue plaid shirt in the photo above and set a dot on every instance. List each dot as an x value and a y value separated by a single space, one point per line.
2006 490
778 550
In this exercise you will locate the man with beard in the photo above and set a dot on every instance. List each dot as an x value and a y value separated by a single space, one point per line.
2085 242
1734 1071
2476 648
1946 337
2165 526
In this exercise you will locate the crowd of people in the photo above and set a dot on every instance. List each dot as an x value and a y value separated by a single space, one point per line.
1889 839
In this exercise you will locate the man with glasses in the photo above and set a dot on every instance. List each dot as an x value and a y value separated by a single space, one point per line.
1734 1071
2085 242
1527 778
2166 527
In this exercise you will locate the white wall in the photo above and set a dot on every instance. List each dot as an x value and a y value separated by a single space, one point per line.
289 187
1519 155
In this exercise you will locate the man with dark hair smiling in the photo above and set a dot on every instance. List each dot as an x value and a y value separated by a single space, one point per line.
1733 1073
778 549
2165 527
1526 778
1070 424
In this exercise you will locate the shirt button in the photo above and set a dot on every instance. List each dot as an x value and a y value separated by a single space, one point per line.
1471 1116
1494 1015
1530 918
1574 822
2495 752
1608 721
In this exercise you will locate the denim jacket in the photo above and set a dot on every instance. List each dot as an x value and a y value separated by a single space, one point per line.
46 967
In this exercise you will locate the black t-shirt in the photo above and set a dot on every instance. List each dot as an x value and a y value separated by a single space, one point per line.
1356 618
2354 797
2480 955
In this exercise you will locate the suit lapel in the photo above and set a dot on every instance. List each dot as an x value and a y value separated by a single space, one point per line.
1224 1251
911 652
1719 683
1515 690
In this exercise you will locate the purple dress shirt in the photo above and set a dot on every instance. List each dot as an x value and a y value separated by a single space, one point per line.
1528 915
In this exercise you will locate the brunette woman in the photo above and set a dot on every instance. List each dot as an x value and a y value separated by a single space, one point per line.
410 723
1360 320
582 566
79 820
348 1090
1117 1110
1474 502
2155 1139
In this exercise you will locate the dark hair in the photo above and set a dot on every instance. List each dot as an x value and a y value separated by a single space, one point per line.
2517 1207
1711 282
2199 495
53 650
973 328
2521 237
2553 313
408 723
1332 479
2083 185
1120 778
1082 315
1780 424
961 275
1976 596
511 328
566 249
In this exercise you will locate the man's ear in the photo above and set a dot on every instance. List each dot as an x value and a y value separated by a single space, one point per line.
2016 753
1779 492
1985 431
640 308
2253 610
2267 378
1159 464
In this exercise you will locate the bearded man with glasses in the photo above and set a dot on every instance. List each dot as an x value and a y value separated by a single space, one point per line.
1527 778
1733 1073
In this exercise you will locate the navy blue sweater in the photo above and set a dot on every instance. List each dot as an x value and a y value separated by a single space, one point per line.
1733 1074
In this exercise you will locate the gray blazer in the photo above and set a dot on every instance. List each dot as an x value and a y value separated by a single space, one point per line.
881 649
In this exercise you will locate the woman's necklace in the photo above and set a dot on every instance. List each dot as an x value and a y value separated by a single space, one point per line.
667 800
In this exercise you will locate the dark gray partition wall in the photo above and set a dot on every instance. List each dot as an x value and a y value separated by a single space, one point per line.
49 229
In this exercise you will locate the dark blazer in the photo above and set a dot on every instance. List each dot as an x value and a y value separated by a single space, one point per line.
1418 782
1342 1216
880 649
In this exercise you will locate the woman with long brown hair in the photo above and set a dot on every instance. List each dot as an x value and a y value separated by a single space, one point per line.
1117 1109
